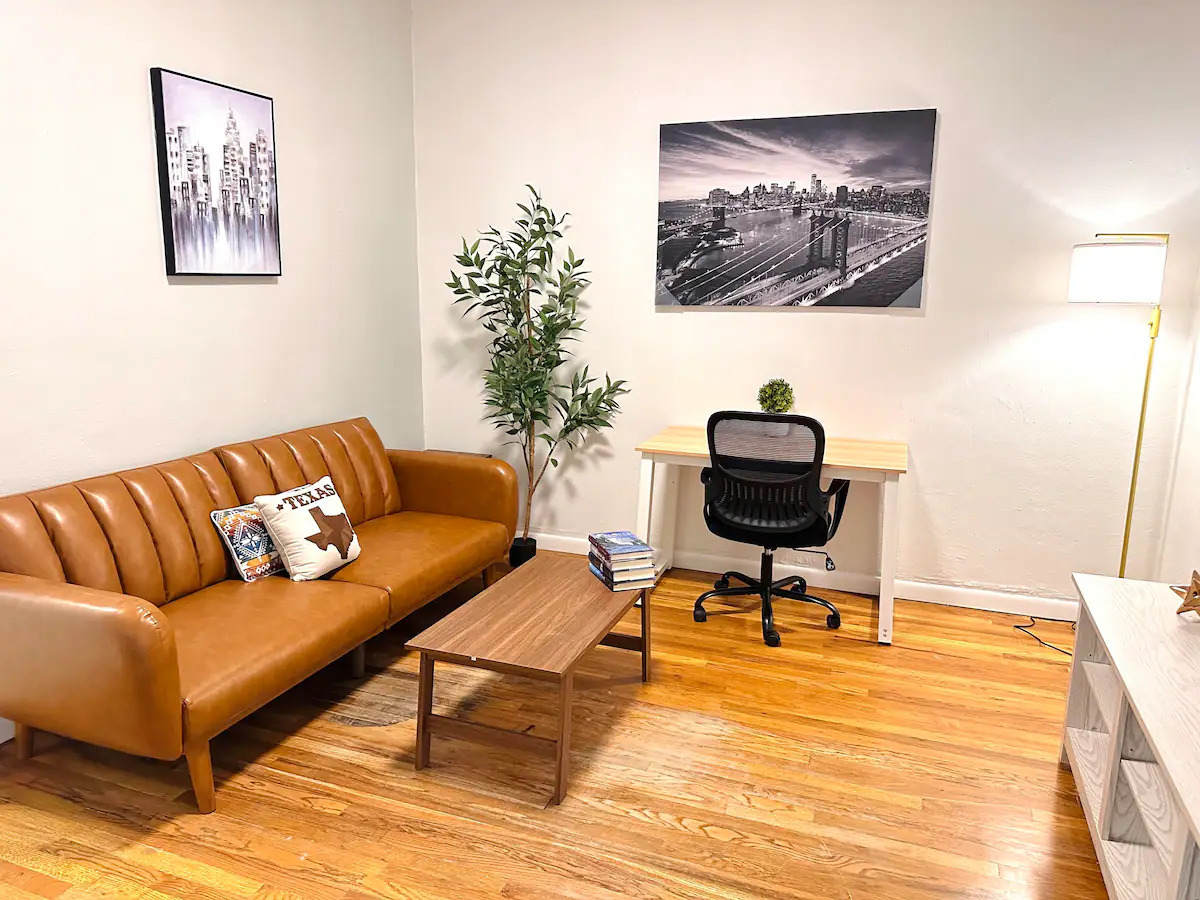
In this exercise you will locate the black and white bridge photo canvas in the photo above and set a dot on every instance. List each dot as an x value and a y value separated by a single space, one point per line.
804 211
216 176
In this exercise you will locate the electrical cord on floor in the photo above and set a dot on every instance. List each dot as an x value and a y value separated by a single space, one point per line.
1028 629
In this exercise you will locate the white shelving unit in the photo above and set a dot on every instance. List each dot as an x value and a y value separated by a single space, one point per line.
1132 736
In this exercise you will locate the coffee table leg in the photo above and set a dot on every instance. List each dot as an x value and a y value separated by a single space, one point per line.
424 707
563 754
645 635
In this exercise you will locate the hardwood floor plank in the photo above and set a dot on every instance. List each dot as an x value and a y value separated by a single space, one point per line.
29 882
829 767
11 892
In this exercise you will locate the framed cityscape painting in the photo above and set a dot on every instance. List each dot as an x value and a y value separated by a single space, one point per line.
793 212
216 176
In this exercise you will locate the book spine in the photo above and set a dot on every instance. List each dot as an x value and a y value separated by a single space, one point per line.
599 574
599 549
608 559
619 581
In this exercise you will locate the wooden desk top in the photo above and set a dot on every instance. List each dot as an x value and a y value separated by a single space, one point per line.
541 618
841 453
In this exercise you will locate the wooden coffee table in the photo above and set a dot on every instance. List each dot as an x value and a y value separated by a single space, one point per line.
538 621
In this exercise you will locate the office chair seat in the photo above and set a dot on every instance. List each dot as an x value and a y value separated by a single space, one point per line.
763 488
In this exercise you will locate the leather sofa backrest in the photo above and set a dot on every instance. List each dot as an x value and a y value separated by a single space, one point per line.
145 532
349 452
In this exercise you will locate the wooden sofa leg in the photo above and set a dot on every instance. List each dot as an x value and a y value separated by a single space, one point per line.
200 769
358 661
487 576
24 740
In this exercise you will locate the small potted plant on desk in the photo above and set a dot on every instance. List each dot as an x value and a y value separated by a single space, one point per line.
528 300
776 397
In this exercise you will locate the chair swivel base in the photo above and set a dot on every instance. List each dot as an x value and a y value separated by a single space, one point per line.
790 588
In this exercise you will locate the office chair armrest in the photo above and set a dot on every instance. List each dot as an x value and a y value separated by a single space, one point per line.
714 484
839 490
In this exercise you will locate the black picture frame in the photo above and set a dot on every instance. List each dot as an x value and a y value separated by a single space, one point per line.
208 237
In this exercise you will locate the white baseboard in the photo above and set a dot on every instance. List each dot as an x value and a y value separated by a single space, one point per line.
6 730
837 580
987 599
563 543
859 583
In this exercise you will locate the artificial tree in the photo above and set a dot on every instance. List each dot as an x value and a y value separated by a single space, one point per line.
528 300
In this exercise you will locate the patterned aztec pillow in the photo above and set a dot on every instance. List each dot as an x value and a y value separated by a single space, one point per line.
244 533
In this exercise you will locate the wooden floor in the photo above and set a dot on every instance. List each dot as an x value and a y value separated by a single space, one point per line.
830 767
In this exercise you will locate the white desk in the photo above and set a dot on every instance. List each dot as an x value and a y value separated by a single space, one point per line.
878 462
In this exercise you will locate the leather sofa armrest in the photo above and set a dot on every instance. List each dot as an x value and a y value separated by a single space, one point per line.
91 665
457 484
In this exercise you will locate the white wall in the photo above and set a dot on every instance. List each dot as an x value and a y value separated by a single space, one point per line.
1181 539
104 364
1056 120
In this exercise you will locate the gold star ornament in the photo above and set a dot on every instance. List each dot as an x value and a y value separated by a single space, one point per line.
1190 594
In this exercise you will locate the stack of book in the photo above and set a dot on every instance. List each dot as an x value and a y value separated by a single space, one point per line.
622 560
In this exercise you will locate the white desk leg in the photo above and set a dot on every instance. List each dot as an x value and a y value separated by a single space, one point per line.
889 550
646 504
664 505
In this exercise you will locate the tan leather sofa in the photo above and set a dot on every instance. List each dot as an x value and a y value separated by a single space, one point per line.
123 624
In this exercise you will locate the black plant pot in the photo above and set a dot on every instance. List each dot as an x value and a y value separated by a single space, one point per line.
522 551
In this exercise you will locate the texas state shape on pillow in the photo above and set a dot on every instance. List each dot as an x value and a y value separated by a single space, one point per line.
310 529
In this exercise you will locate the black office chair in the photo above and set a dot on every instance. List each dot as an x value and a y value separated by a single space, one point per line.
764 488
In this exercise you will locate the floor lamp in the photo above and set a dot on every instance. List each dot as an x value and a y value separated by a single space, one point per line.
1123 268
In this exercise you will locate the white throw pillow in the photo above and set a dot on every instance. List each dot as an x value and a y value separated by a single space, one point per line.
310 529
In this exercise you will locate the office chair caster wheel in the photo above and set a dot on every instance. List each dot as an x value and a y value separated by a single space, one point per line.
721 583
699 615
834 620
771 638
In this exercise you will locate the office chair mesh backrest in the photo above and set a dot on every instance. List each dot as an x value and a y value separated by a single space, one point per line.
777 444
770 466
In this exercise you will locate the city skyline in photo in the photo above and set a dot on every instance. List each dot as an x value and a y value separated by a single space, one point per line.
857 150
204 109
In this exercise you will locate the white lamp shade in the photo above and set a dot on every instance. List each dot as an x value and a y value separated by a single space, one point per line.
1128 271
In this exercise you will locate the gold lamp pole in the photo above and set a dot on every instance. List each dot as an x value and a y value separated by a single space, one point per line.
1155 318
1124 268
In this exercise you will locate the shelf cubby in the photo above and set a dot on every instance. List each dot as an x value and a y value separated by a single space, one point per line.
1155 805
1105 692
